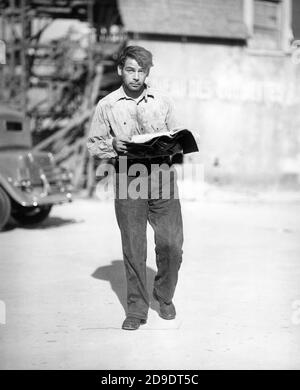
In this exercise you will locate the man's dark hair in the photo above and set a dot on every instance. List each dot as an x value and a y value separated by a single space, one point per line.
142 56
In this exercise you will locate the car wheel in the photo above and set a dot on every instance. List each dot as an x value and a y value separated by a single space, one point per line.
31 215
5 208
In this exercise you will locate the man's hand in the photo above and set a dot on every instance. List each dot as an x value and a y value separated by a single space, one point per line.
119 144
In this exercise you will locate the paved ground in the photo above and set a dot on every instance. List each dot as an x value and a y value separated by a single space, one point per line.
238 298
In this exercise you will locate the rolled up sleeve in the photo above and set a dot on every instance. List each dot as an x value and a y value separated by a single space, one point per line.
99 142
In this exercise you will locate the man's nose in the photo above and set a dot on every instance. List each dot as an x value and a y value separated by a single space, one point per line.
136 76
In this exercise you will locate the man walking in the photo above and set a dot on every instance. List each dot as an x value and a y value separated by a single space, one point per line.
137 109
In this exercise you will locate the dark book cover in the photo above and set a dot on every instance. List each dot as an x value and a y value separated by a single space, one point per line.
162 144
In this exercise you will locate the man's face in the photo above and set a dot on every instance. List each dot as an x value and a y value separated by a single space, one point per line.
133 75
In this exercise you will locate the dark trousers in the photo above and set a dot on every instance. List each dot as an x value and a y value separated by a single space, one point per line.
164 215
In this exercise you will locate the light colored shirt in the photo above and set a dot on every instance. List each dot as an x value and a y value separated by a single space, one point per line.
120 115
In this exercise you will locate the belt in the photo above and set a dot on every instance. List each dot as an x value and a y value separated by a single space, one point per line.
147 162
153 160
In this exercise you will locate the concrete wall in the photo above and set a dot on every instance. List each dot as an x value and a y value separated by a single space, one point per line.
246 107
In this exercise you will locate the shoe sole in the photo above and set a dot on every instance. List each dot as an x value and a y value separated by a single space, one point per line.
124 328
167 318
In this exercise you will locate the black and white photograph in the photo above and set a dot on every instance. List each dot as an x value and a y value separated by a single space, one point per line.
149 187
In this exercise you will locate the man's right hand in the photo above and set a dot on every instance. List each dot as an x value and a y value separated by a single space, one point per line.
119 144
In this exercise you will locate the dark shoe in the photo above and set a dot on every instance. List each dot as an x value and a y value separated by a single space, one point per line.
132 323
166 310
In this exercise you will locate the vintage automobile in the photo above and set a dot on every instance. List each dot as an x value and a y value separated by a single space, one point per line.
30 181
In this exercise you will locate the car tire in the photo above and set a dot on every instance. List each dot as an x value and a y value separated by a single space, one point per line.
5 208
31 215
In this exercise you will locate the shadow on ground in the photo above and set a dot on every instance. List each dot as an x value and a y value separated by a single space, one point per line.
50 222
115 275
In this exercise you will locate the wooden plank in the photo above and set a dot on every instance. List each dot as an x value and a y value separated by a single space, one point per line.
60 133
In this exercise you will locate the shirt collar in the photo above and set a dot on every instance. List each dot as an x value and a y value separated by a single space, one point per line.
122 95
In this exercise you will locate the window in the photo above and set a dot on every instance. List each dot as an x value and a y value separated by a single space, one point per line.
13 126
269 24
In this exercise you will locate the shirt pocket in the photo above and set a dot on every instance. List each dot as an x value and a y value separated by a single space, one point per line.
159 121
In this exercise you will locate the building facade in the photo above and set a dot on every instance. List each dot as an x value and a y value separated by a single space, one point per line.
232 68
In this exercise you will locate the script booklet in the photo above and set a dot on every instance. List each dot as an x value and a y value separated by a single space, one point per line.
162 144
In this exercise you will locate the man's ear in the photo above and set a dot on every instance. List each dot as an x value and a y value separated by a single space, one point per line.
119 70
